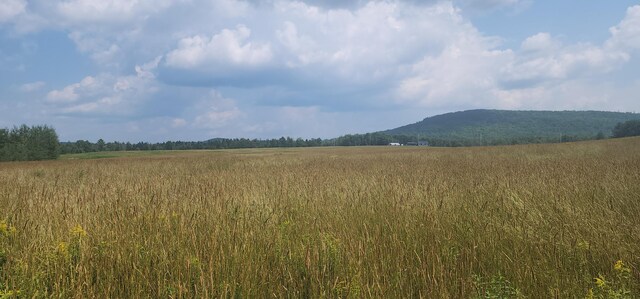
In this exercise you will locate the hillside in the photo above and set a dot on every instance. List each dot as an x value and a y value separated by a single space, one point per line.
504 126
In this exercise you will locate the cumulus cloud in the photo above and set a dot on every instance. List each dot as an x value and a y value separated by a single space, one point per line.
459 76
540 42
229 47
472 72
562 62
106 93
71 93
626 35
543 57
373 44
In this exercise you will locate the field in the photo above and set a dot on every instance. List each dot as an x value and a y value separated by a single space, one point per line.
535 221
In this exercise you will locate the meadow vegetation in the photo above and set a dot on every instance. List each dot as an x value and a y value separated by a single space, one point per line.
532 221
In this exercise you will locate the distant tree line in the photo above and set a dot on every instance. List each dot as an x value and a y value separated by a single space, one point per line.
41 142
627 129
84 146
454 140
26 143
379 138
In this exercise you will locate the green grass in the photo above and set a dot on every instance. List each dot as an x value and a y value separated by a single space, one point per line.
535 221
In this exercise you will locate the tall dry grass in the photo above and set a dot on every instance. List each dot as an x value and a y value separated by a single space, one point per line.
538 221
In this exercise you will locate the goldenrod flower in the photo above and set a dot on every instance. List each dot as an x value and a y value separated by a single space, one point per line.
600 282
590 294
78 231
619 265
6 229
10 293
63 248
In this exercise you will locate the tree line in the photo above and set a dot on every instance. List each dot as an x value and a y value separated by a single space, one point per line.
41 142
627 129
379 138
84 146
26 143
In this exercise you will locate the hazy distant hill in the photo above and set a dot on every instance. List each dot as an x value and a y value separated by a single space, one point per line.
505 126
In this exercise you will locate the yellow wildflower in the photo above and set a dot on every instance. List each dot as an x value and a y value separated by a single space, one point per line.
6 229
600 282
619 265
3 226
63 249
10 293
621 268
78 231
590 294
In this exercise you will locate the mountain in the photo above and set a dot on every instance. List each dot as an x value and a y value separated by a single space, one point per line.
477 127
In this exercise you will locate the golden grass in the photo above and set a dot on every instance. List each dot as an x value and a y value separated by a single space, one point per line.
536 221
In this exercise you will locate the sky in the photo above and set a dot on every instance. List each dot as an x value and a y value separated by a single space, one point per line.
158 70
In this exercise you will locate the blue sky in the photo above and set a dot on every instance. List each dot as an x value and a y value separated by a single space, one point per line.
156 70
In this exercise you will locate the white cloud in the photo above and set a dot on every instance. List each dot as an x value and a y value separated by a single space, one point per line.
303 47
470 72
229 47
106 56
106 93
540 42
461 74
102 105
626 35
88 86
579 94
368 44
564 62
9 9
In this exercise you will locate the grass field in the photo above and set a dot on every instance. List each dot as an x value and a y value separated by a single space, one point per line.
536 221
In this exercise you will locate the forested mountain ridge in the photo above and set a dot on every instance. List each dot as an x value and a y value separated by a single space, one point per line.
504 126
